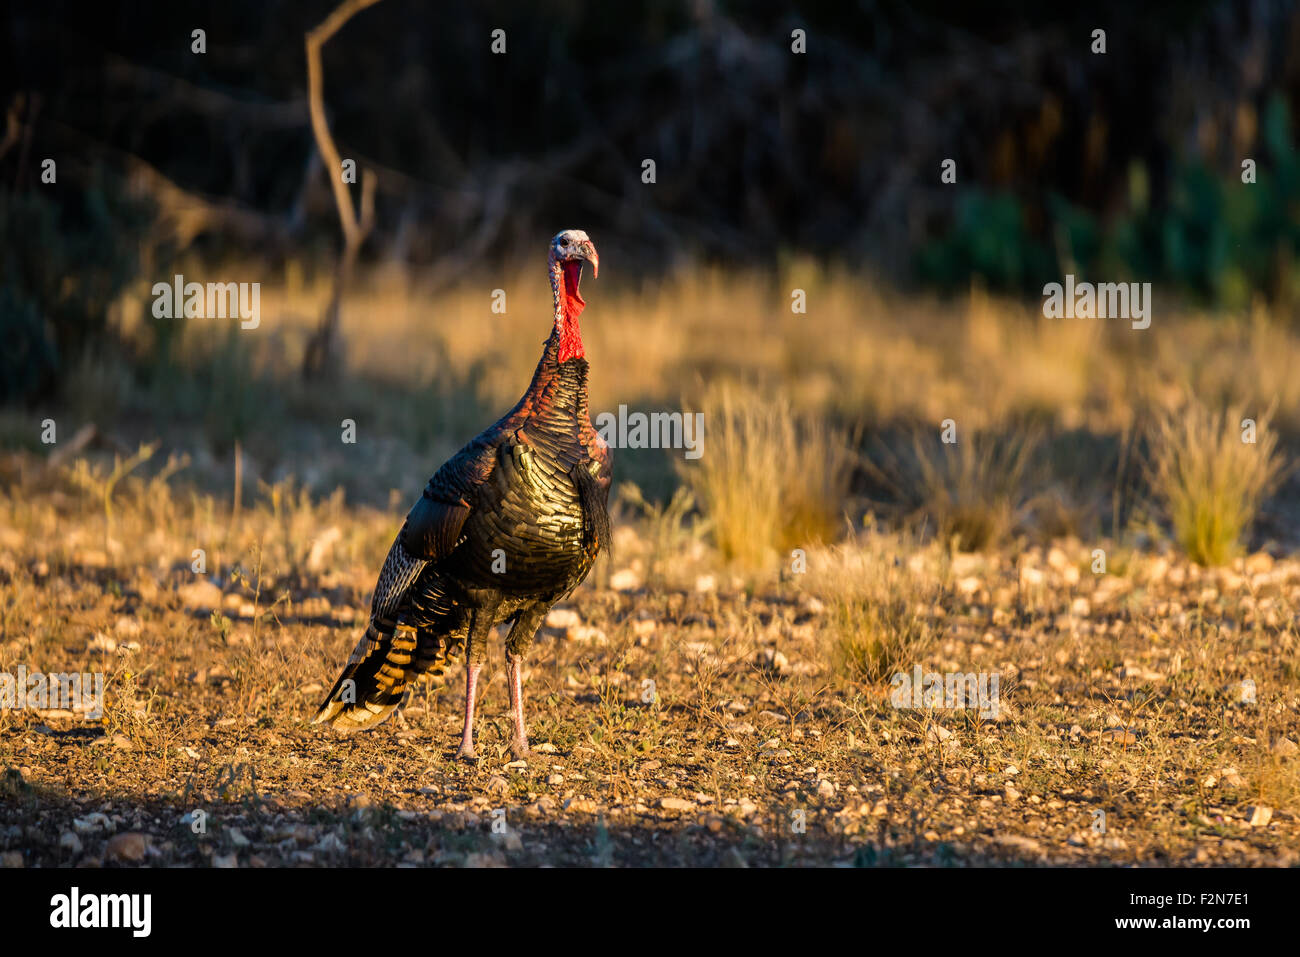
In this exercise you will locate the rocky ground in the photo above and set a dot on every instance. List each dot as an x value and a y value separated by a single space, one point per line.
680 715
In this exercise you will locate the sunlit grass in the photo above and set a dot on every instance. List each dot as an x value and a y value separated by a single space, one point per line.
1210 480
768 479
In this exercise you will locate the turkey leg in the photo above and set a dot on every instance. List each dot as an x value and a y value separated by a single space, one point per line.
466 751
517 644
518 743
475 652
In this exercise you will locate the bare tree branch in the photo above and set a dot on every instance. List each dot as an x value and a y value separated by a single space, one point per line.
316 39
322 348
167 91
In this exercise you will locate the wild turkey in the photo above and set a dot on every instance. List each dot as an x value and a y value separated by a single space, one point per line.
505 529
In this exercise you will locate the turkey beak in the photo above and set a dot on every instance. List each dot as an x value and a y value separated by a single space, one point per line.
589 254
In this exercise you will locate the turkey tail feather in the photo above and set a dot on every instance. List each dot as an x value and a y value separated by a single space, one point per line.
375 681
366 693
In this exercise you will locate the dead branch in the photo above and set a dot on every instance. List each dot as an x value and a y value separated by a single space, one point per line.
13 125
166 91
322 349
180 215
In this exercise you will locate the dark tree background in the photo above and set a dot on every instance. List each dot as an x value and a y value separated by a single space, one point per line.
1127 161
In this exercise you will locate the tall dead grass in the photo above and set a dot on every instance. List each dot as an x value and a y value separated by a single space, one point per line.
861 350
426 371
1210 480
768 478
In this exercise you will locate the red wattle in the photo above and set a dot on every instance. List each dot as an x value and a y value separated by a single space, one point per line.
571 306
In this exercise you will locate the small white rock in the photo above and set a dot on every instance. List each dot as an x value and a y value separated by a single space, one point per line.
563 618
1232 778
329 844
624 580
937 734
587 634
94 821
772 660
102 642
1260 815
1284 747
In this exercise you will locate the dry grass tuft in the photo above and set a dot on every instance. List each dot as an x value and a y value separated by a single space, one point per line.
1211 481
769 478
876 635
877 614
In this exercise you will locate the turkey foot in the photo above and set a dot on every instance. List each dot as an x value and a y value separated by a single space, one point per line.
519 749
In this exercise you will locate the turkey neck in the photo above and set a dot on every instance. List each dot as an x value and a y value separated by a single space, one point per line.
556 399
568 307
557 396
